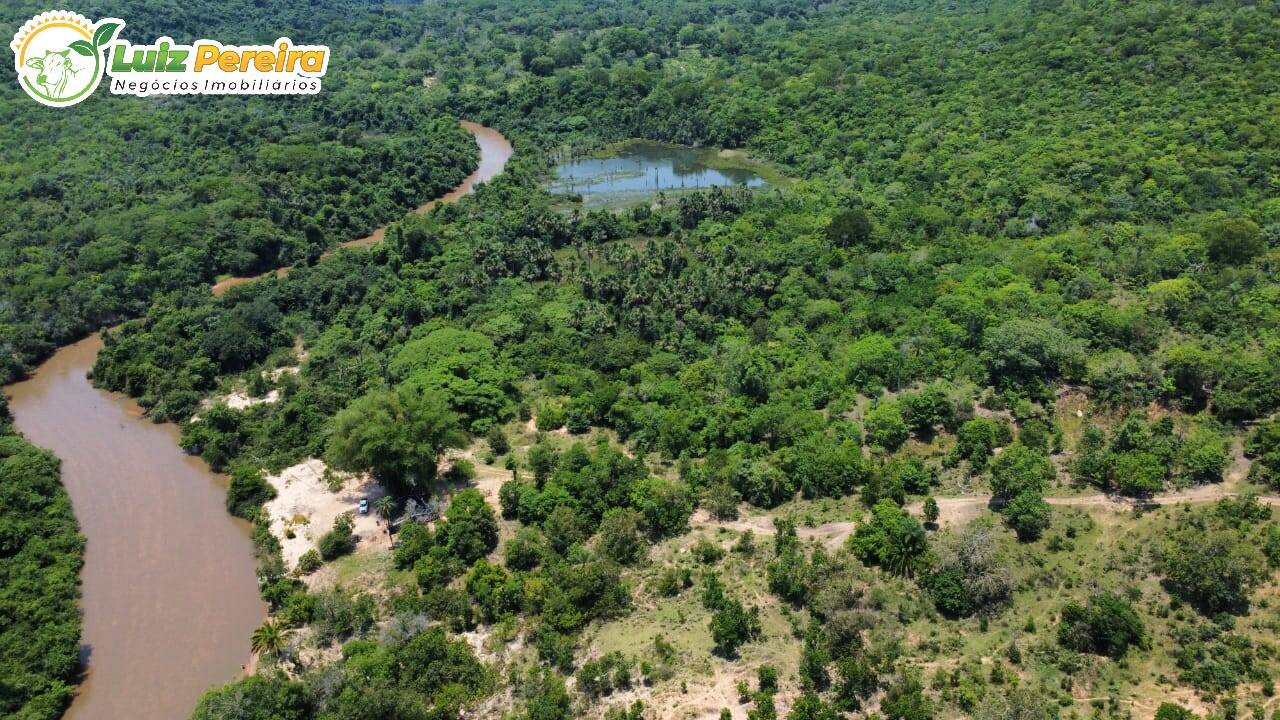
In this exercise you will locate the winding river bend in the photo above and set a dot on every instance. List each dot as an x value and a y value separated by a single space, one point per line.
169 589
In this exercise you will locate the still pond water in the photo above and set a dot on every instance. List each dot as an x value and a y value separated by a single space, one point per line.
642 169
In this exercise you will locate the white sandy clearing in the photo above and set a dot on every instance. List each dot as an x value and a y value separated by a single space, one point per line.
240 400
236 400
304 504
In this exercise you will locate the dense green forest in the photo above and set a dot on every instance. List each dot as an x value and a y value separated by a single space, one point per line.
1030 253
41 552
126 199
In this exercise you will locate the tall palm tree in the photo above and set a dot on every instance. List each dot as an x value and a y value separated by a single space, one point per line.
385 506
270 639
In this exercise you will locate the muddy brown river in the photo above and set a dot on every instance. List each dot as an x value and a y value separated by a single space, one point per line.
170 594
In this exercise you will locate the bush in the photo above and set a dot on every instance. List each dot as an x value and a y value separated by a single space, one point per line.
551 417
1170 711
262 697
1028 515
1214 568
733 625
497 593
1020 469
461 471
412 542
928 408
1264 445
886 427
762 484
526 549
247 492
892 539
707 552
338 616
969 575
906 700
470 528
309 562
672 581
602 676
1107 626
497 440
620 538
1137 474
665 505
828 467
721 501
563 528
1204 457
977 438
1234 241
339 541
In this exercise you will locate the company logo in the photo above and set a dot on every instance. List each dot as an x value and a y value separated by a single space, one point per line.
61 57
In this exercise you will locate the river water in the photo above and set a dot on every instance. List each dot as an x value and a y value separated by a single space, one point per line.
170 594
495 151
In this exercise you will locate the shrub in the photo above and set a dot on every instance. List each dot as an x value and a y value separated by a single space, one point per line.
563 528
1137 473
928 408
1106 626
1213 568
602 676
526 549
620 538
412 542
461 471
551 417
339 541
969 575
762 484
267 696
905 700
497 440
672 581
885 426
1170 711
892 539
976 439
733 625
1264 445
707 552
931 511
247 492
470 528
1204 457
337 616
1028 515
309 562
1020 469
721 501
665 505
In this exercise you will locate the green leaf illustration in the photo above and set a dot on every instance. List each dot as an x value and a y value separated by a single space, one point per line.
104 33
82 47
